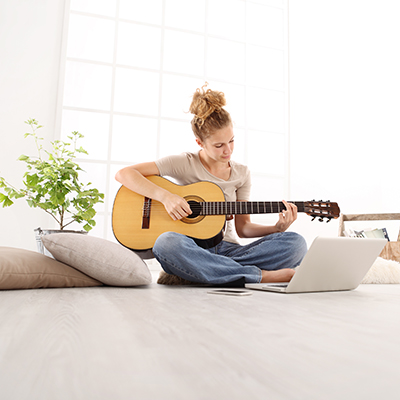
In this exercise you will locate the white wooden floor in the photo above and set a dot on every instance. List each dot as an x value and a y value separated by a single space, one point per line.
177 343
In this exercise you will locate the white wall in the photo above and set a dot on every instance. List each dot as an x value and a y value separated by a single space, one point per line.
30 46
344 62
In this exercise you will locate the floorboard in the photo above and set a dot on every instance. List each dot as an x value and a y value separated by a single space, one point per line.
161 342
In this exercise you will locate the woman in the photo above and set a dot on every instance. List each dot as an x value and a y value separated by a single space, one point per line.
269 259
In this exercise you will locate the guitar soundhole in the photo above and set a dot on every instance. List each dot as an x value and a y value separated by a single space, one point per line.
196 209
195 216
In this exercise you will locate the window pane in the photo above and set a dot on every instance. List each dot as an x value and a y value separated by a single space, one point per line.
176 137
265 188
264 25
266 152
226 18
226 60
265 67
91 38
185 14
235 96
110 235
113 184
183 52
94 127
177 93
265 109
87 85
100 7
134 139
274 3
139 45
136 92
149 11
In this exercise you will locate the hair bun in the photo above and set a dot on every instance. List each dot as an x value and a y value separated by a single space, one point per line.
206 102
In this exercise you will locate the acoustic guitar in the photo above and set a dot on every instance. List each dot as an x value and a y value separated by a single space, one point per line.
137 221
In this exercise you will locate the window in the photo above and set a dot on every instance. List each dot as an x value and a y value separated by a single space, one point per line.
131 68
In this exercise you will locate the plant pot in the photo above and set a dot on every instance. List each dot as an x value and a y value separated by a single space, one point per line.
40 232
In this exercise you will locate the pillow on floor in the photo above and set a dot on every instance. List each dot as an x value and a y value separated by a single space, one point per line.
108 262
25 269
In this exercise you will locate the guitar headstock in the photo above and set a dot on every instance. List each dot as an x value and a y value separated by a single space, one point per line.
322 209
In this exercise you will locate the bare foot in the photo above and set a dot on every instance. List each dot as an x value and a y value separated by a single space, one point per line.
281 275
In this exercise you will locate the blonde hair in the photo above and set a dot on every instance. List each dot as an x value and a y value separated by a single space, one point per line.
209 115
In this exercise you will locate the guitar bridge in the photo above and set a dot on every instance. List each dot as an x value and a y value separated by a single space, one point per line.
146 213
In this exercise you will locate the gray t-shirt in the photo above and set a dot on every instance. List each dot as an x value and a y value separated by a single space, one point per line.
186 168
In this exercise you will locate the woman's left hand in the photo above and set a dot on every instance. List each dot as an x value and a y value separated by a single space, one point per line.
286 217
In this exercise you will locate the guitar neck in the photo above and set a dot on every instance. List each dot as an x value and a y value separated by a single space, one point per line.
246 207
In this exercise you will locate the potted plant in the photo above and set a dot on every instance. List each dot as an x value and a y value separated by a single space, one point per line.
52 184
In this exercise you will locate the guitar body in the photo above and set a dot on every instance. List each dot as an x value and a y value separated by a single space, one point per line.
137 221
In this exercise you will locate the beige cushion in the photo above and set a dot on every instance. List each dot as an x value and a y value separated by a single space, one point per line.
108 262
24 269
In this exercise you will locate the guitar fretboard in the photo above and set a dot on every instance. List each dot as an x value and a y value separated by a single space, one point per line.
245 207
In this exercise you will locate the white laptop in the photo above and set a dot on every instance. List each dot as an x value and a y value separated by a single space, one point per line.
338 263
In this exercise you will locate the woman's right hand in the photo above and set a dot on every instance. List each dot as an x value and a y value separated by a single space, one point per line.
177 207
133 178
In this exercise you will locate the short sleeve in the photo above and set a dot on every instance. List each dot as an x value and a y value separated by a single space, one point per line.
174 166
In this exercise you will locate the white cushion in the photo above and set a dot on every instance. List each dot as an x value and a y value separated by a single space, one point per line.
108 262
383 271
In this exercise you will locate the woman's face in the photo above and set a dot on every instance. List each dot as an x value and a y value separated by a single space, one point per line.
219 146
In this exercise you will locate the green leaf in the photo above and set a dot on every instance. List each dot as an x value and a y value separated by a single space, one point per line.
87 227
5 200
32 180
57 198
82 150
23 158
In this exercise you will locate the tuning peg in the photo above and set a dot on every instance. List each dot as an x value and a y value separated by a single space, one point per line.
328 219
312 219
321 219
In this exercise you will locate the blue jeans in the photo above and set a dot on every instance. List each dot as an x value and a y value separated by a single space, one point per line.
227 262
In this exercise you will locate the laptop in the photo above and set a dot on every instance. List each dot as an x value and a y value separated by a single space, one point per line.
331 264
